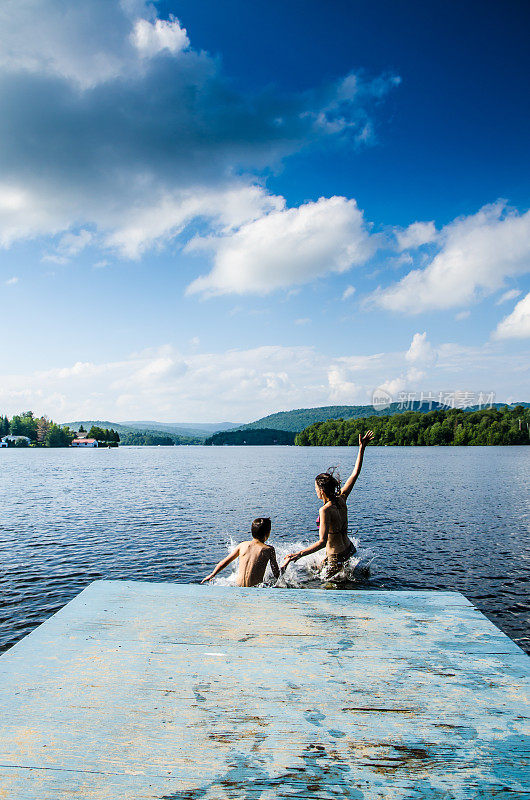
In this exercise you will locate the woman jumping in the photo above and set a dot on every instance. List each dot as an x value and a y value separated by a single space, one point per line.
333 516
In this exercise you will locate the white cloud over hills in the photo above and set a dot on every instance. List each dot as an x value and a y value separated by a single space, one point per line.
421 351
243 384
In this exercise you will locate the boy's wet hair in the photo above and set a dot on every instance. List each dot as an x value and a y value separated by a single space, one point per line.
261 527
329 483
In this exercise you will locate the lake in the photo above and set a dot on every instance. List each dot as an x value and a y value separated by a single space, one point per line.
453 518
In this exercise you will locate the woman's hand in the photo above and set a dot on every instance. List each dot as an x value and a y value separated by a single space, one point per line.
289 558
207 578
363 440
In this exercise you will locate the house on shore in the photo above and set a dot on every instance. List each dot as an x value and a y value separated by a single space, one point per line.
84 443
13 439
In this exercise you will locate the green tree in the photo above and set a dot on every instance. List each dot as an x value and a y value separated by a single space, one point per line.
58 437
460 435
24 425
495 426
251 436
43 426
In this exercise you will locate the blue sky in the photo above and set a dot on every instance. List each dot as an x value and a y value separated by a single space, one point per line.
216 211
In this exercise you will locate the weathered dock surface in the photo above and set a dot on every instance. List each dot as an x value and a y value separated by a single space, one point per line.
179 692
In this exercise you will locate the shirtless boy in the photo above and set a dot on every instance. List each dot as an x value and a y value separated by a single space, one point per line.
254 555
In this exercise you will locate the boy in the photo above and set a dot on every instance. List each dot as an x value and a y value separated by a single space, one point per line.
254 555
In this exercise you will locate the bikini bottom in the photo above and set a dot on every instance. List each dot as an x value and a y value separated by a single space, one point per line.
338 559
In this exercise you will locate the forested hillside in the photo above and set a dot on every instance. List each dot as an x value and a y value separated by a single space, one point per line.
143 434
252 436
300 418
492 426
153 439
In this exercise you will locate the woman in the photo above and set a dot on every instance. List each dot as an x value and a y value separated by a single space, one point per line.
333 516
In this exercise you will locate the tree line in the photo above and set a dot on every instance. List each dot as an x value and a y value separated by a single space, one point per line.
102 435
44 432
41 431
251 436
152 439
492 426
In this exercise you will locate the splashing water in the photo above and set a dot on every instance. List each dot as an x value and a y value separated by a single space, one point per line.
309 571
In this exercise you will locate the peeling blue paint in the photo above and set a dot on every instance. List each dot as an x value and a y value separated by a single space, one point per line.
179 692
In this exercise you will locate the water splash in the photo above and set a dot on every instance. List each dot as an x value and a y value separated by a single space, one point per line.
308 572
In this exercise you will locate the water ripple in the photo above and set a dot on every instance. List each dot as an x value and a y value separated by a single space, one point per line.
437 518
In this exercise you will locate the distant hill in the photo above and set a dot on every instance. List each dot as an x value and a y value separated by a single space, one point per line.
147 439
182 433
300 418
251 436
293 421
131 435
183 428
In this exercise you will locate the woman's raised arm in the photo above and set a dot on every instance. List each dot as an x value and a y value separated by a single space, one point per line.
363 441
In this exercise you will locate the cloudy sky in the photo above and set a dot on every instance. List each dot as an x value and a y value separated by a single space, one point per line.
214 211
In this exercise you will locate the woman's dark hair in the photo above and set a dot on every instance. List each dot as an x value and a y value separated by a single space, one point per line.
261 527
329 483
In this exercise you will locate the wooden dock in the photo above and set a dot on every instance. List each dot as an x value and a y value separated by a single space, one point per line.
183 692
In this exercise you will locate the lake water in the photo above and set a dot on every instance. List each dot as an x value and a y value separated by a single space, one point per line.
438 518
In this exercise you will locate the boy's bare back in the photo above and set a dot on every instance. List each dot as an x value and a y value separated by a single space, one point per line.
254 555
253 559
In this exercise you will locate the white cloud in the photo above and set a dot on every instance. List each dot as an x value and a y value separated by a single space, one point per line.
393 386
349 291
167 385
151 38
334 114
23 214
11 281
462 315
226 208
414 375
420 350
477 254
86 42
139 134
341 389
415 235
517 324
239 385
511 294
69 246
286 247
416 362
